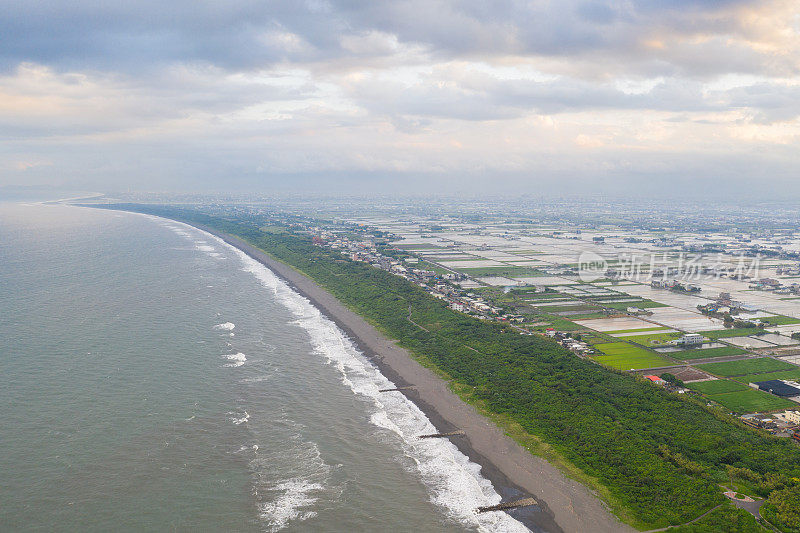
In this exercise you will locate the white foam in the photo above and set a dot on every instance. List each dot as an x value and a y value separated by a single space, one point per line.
238 359
296 495
291 477
240 419
227 326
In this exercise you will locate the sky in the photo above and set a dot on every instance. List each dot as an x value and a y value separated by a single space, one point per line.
406 95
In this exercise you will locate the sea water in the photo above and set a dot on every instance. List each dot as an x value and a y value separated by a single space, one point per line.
155 378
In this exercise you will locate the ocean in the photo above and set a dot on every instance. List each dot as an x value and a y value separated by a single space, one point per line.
155 378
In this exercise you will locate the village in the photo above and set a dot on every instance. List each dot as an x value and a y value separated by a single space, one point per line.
657 319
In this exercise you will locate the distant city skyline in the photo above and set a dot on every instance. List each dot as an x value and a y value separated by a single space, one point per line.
645 97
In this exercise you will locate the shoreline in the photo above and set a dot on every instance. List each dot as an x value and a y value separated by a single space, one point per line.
565 505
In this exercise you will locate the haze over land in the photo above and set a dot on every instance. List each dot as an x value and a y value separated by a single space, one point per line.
461 97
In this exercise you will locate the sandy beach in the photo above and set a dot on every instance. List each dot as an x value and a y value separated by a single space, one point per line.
566 505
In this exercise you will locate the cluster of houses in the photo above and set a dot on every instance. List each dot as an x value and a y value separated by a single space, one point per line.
674 285
576 346
785 424
434 283
771 284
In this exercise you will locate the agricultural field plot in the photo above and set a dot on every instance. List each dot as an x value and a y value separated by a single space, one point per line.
780 320
786 330
684 320
624 356
727 333
746 366
615 324
528 263
557 301
689 374
751 401
497 281
749 342
425 265
475 263
706 353
580 306
793 375
780 340
655 331
639 331
641 304
654 339
540 281
580 315
717 386
674 299
416 245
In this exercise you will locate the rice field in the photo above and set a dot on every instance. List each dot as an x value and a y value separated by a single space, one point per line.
624 356
746 366
703 353
793 375
716 386
751 401
653 339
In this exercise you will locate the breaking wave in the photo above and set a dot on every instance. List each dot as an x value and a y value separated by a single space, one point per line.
236 359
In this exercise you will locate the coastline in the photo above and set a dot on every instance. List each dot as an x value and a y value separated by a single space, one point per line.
565 504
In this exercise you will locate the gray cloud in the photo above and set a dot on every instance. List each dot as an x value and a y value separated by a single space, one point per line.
258 92
247 34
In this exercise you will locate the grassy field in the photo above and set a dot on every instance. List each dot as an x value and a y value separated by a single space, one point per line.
783 374
746 366
751 401
654 339
722 351
717 386
780 320
624 356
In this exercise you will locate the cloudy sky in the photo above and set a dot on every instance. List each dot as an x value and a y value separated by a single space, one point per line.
381 95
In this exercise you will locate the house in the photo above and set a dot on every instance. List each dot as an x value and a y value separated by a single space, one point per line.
690 339
655 379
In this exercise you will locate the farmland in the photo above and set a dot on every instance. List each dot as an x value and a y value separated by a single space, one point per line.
624 356
751 401
746 366
504 270
653 339
766 376
716 386
699 353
